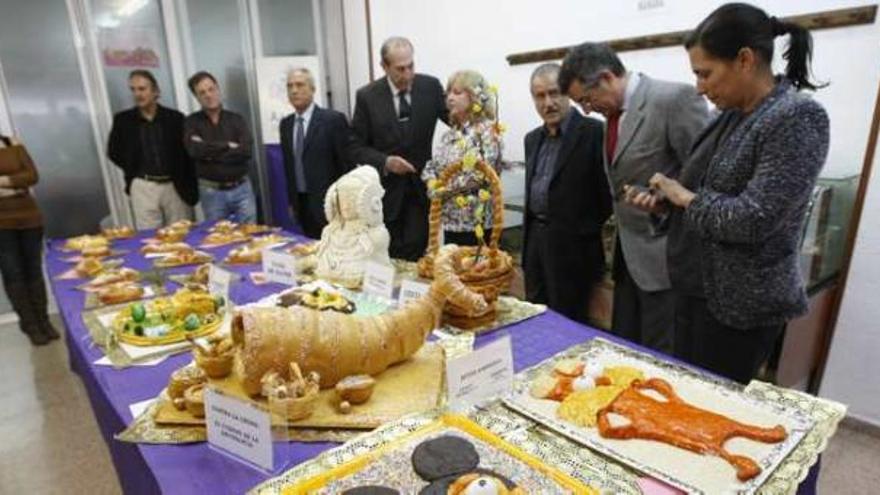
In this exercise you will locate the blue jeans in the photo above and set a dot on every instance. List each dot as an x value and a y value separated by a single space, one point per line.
237 205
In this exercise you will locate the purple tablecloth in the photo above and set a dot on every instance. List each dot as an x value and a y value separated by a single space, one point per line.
196 468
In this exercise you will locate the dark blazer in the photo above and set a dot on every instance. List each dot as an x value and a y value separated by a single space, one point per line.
124 147
379 134
749 212
325 157
579 201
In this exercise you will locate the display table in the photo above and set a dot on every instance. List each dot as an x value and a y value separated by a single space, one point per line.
195 468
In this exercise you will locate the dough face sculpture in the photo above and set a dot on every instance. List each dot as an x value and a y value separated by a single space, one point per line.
338 345
677 423
355 232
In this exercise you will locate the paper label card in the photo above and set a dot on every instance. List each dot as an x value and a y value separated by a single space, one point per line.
379 279
279 266
239 429
410 289
484 374
219 281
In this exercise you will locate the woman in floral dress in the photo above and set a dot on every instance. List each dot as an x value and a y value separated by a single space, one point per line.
475 136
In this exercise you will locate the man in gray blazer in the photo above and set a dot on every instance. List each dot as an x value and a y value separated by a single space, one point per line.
650 127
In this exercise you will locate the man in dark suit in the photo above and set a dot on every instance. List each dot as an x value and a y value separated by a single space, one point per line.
394 119
146 142
315 142
567 201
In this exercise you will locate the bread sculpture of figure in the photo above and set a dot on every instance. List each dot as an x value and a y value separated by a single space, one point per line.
338 345
355 232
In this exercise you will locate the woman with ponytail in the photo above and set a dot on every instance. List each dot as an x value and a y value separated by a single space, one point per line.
736 212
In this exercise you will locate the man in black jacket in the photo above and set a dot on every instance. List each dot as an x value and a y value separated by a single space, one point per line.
394 119
567 201
146 142
315 142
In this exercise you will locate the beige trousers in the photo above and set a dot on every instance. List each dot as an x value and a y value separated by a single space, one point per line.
156 205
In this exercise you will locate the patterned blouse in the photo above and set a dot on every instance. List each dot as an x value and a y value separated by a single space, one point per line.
481 138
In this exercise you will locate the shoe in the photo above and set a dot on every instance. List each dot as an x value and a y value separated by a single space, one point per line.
19 296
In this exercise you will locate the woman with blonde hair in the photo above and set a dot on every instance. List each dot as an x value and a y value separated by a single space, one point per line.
475 135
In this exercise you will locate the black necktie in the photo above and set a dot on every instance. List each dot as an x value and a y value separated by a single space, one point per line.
404 109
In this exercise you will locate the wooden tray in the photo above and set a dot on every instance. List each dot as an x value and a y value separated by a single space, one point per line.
413 386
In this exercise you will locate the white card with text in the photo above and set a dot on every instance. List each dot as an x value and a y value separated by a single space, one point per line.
379 279
219 281
239 428
279 267
482 375
410 289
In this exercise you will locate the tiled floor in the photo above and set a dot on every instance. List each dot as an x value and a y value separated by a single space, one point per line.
49 442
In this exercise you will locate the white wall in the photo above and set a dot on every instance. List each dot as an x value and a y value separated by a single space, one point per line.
457 34
852 375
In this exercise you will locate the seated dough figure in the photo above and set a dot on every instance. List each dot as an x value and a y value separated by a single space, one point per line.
355 232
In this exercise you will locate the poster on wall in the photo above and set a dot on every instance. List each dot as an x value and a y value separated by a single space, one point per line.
130 47
272 87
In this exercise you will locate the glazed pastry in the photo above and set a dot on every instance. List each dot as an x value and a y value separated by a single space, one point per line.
165 247
111 277
223 226
682 425
86 241
355 389
221 238
182 258
120 292
96 251
216 358
183 379
172 234
88 267
194 400
191 312
337 345
304 248
254 228
122 232
244 255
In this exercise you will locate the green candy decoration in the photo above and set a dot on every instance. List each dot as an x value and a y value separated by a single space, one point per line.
191 322
138 312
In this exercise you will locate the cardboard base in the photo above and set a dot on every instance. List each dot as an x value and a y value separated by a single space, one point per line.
410 387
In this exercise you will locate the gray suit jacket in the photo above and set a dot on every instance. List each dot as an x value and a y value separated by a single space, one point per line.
655 135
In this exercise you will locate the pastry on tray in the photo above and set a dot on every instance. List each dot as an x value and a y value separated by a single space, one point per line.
254 228
172 234
121 232
191 312
120 292
181 380
317 295
96 251
89 267
588 394
244 255
112 276
304 248
183 258
223 226
165 247
86 241
223 238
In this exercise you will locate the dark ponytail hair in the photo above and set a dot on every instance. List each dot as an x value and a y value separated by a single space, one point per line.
735 26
